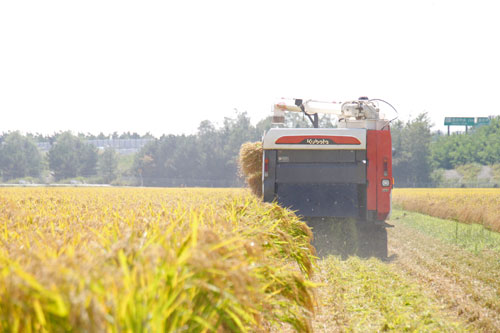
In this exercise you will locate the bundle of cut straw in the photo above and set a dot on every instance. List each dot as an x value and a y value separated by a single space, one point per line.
250 163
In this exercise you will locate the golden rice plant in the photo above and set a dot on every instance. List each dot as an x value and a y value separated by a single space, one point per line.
468 205
197 260
250 164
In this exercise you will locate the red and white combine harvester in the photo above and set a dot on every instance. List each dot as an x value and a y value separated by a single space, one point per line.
332 174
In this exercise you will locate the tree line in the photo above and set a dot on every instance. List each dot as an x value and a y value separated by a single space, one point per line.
69 157
209 157
420 156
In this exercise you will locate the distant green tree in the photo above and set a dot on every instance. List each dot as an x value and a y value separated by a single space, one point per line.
128 135
19 157
102 136
70 157
208 158
481 145
326 121
63 156
210 152
87 164
234 133
264 125
107 165
297 120
171 160
488 150
411 142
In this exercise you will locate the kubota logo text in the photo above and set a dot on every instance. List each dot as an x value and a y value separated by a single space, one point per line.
318 141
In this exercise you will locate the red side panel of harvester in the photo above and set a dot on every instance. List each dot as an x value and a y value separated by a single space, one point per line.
379 173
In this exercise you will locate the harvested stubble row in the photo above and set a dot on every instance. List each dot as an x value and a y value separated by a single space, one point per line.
468 205
151 260
250 163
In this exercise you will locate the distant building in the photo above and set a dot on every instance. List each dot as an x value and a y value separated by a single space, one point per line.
122 146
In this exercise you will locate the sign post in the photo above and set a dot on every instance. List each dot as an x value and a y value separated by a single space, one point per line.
459 121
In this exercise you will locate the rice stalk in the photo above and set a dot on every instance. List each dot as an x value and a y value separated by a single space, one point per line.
250 164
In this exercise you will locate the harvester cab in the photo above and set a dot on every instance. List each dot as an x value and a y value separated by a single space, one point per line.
331 173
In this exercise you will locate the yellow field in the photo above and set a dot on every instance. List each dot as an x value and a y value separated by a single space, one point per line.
466 205
133 260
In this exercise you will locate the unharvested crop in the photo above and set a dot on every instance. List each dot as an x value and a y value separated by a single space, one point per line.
151 260
466 205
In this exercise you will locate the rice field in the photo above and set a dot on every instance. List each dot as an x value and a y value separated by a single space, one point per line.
468 205
133 260
221 260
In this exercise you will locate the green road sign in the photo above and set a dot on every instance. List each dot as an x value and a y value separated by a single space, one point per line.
459 121
483 121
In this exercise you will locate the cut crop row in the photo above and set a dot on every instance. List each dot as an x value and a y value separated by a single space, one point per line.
151 260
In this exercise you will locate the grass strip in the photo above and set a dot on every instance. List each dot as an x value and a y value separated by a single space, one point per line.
465 283
472 237
369 296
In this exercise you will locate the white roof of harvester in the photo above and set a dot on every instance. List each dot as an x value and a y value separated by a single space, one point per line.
315 138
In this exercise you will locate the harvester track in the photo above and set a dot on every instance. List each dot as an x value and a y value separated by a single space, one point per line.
440 286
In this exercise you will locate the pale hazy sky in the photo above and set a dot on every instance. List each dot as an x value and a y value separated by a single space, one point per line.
163 66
